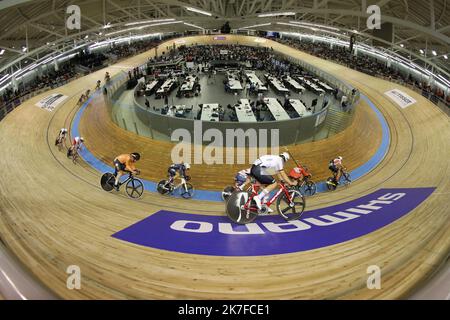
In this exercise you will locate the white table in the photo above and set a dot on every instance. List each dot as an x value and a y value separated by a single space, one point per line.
189 84
276 83
325 86
234 84
299 107
312 85
208 110
254 79
276 109
150 87
295 84
244 111
166 86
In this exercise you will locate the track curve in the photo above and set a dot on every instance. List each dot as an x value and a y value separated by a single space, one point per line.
54 214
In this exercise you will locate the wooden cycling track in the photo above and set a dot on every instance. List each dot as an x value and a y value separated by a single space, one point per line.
54 214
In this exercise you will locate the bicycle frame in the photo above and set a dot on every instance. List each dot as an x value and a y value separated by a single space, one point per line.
181 184
255 188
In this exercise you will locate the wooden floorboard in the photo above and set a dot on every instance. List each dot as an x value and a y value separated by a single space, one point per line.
54 214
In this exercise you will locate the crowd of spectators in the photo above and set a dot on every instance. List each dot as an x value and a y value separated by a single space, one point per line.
92 61
51 79
364 63
125 50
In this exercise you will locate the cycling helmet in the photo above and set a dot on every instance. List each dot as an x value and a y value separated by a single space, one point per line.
64 130
81 139
136 156
187 165
285 156
340 158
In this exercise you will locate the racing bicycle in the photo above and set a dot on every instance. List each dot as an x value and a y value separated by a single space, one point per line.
60 143
72 152
307 186
133 186
345 179
242 209
186 189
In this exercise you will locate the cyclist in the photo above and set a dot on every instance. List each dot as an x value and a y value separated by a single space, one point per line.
263 169
98 84
177 171
299 173
242 178
125 163
336 167
107 77
77 144
61 136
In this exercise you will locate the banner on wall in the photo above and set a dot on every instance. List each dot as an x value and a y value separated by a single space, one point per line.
401 98
223 51
321 118
220 38
51 102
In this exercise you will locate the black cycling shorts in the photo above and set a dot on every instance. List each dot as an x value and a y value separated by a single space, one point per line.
333 168
119 166
261 178
172 172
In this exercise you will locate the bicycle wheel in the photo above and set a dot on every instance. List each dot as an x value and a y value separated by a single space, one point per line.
291 210
235 211
331 185
187 191
161 187
134 188
107 181
309 188
226 193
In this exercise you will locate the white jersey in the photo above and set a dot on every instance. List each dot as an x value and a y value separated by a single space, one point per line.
244 172
337 162
62 132
270 164
77 142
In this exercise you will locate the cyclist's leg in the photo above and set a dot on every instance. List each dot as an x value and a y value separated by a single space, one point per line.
172 173
266 180
69 151
118 172
339 174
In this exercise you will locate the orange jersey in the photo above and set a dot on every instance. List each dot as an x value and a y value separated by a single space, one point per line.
127 160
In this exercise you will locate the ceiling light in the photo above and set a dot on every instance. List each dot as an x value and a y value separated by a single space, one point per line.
198 11
434 53
2 51
257 25
274 14
24 49
314 25
402 45
421 51
148 21
445 56
106 26
193 25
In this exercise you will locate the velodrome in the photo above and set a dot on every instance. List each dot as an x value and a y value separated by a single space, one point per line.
55 214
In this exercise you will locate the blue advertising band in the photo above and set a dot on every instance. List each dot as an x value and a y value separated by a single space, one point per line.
269 235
